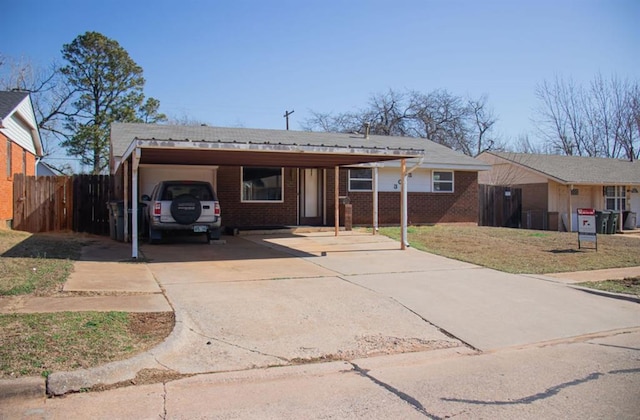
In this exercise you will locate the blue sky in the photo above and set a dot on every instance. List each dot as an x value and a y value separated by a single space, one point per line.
243 63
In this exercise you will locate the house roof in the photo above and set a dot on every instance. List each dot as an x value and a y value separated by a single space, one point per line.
9 101
18 121
306 143
577 169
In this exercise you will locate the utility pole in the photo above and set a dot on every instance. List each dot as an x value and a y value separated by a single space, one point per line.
286 115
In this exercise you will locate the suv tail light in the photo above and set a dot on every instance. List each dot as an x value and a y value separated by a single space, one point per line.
157 209
216 209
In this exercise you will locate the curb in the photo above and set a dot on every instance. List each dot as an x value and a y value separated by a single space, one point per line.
28 387
613 295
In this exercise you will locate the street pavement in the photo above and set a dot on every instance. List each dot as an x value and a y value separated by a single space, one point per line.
591 379
248 312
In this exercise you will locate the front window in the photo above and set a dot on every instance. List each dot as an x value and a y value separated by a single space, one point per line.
262 184
442 181
616 197
361 179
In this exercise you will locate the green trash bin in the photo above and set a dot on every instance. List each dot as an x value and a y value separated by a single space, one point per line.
613 223
602 217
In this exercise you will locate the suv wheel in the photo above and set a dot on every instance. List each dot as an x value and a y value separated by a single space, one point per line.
186 209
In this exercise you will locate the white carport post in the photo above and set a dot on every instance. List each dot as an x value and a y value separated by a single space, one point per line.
375 199
125 169
135 160
403 205
336 194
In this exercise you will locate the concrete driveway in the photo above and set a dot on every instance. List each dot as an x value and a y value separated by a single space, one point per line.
260 301
243 305
267 300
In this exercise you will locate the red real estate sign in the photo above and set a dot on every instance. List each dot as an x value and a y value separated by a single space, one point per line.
587 226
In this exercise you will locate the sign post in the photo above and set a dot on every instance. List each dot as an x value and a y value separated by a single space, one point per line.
587 227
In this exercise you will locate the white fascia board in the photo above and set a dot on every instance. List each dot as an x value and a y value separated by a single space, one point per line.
430 165
271 147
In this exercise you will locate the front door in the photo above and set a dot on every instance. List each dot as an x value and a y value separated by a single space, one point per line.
310 197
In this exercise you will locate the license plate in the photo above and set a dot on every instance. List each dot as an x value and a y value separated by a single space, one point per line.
200 229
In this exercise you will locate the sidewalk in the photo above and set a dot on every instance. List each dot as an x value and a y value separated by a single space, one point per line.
596 275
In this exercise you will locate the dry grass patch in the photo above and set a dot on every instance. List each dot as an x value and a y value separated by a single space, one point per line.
36 264
521 250
38 344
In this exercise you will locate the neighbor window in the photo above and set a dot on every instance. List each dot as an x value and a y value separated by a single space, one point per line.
616 197
262 184
442 181
361 179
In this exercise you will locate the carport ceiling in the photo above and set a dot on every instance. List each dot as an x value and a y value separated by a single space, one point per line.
243 154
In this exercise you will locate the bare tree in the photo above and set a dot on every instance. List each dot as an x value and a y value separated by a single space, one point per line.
463 125
600 120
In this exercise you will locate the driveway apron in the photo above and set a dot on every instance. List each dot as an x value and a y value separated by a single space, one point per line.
242 305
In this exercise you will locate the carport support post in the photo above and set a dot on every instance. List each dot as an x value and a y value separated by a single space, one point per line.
337 200
125 169
134 203
403 205
375 199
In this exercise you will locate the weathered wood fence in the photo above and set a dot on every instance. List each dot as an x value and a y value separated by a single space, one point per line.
500 206
52 203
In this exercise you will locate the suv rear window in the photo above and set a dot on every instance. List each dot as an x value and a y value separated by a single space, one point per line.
201 191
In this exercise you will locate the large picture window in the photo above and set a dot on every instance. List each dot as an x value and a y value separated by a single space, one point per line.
616 197
442 181
361 179
262 184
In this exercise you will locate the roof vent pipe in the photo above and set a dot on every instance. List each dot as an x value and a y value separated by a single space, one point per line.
366 130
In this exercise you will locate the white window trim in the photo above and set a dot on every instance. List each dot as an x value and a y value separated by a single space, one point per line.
242 200
349 179
433 182
617 198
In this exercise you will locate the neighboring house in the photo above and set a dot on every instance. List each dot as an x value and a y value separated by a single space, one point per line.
20 146
557 185
42 169
268 178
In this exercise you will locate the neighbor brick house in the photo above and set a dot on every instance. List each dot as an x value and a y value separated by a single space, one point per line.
267 178
20 147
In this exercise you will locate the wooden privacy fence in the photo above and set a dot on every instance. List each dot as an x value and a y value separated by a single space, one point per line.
500 206
59 203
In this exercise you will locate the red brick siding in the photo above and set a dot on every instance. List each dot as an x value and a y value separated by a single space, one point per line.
235 213
6 183
424 208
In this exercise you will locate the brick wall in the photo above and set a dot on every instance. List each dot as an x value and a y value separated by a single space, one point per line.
238 214
6 182
423 208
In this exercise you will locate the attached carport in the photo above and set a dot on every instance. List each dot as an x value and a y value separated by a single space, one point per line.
253 149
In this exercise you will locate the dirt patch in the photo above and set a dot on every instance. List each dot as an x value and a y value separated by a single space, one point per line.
378 345
144 377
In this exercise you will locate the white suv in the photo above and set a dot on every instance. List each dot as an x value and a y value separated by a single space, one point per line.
182 206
